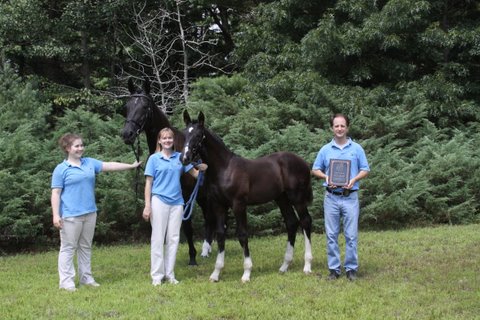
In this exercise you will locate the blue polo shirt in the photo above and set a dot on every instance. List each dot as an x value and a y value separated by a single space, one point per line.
351 151
166 175
78 186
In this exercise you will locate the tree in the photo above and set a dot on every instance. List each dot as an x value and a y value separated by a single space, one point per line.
168 49
22 118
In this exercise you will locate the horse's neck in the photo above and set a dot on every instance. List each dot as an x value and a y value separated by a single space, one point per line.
217 153
158 122
159 119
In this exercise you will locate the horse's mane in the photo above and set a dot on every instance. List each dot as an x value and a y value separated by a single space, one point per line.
215 137
219 140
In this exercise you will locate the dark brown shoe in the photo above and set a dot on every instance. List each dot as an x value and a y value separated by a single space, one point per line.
334 275
352 275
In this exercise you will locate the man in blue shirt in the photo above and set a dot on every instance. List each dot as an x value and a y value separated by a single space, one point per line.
341 201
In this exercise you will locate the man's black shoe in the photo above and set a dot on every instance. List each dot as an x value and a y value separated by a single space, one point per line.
333 275
352 275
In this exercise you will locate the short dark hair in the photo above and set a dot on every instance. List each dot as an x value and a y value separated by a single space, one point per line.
339 115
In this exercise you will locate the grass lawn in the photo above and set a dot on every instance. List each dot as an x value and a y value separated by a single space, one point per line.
430 273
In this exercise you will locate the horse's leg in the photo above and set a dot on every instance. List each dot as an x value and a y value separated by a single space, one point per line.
306 224
209 225
240 211
291 222
207 242
187 182
188 231
220 215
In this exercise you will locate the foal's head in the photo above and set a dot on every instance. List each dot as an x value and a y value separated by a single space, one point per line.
194 135
139 110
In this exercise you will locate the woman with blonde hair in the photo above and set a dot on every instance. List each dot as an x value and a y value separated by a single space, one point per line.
164 205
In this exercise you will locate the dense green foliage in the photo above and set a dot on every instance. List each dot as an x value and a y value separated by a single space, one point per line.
29 153
405 71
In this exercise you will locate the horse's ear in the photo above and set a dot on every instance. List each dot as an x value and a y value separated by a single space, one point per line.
186 117
201 118
146 85
131 86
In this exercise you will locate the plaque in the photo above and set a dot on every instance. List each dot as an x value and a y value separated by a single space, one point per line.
339 172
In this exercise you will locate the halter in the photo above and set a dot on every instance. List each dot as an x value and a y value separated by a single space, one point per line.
147 116
187 211
197 158
140 126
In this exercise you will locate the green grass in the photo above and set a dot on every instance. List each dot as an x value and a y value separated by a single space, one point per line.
428 273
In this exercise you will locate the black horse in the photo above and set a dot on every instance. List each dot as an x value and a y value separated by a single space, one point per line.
143 115
235 182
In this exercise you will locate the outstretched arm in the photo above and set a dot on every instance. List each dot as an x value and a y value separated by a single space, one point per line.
119 166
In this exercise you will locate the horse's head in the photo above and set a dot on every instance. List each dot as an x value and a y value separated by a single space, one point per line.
194 136
139 110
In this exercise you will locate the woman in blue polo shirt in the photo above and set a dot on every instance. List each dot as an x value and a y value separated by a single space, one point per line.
74 209
164 205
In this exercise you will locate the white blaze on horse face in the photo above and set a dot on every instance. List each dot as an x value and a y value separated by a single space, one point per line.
185 151
190 130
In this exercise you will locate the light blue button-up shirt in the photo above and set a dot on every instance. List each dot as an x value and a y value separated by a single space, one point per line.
351 151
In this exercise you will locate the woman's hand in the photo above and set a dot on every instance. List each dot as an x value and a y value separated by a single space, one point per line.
201 167
147 212
57 222
136 164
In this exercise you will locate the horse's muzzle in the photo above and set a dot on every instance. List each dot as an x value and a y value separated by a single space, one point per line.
128 136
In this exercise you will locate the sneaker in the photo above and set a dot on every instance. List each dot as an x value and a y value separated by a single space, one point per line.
157 283
334 275
173 281
352 275
92 284
69 289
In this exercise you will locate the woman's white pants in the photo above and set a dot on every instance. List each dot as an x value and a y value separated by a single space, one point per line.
166 221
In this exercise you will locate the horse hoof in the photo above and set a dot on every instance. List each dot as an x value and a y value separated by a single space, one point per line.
245 280
213 280
307 271
193 263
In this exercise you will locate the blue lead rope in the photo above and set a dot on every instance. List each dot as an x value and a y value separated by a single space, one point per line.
191 202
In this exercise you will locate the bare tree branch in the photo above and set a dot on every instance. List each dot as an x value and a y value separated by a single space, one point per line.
166 49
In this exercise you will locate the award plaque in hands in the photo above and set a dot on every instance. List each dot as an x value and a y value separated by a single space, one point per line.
339 172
